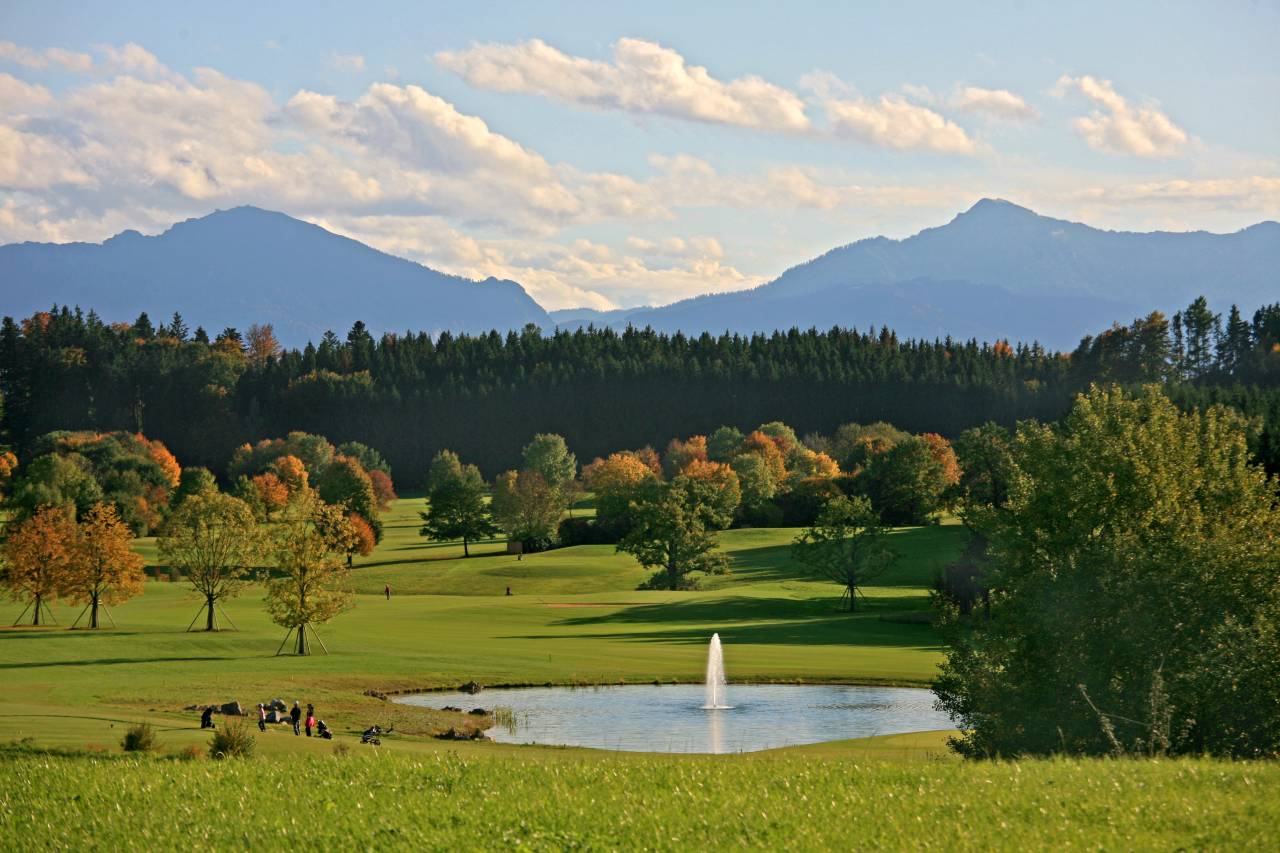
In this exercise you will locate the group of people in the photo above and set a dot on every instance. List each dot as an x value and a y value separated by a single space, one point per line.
299 722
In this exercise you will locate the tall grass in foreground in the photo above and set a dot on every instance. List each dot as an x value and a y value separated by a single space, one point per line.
386 801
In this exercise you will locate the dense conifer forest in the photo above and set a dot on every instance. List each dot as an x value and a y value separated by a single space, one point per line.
412 395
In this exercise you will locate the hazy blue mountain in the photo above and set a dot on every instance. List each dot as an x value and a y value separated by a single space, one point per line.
996 271
247 265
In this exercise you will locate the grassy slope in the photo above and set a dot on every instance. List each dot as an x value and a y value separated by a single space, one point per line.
447 801
449 621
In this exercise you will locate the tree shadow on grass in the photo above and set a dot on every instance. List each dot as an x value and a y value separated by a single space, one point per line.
60 632
744 609
833 630
109 661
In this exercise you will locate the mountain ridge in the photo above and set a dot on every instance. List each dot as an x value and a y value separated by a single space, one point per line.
245 265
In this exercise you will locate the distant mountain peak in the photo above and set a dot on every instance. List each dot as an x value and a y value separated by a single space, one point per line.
998 210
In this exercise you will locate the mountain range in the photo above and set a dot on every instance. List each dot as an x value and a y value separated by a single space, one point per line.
995 271
246 265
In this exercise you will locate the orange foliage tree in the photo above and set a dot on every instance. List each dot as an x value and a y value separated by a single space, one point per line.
103 569
272 492
941 450
383 489
615 482
37 552
680 453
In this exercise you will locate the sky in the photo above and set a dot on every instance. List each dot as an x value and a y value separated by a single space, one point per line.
610 155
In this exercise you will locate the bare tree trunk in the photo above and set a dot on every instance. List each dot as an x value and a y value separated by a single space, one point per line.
853 598
211 623
39 604
302 639
93 611
465 552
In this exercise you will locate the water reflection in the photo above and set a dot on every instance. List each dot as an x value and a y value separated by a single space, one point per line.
669 718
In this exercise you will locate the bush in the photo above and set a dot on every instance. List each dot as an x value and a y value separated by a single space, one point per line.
139 738
584 531
233 740
190 752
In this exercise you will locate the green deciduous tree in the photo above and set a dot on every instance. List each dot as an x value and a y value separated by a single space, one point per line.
527 508
905 483
669 532
456 506
215 541
548 454
846 545
311 587
1134 588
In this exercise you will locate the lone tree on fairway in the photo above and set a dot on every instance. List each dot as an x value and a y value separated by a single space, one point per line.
37 552
846 545
1135 602
311 588
456 507
214 540
670 532
527 508
103 568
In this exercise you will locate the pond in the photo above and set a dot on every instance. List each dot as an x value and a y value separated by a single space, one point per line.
670 717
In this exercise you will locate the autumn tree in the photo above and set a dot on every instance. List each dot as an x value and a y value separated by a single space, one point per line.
616 481
103 569
846 545
311 587
527 508
383 489
456 507
681 453
1135 604
215 541
670 533
344 483
715 487
261 343
37 553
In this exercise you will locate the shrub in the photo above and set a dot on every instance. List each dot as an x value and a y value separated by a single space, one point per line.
139 738
190 752
232 741
584 531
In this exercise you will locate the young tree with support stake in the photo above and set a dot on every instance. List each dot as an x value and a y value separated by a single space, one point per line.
845 545
103 568
309 555
36 554
215 540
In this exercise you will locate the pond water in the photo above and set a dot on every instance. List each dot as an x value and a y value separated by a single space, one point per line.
670 717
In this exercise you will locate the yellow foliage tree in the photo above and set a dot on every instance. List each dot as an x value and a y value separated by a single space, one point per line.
37 552
103 569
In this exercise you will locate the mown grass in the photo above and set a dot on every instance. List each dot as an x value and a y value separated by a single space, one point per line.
453 801
574 617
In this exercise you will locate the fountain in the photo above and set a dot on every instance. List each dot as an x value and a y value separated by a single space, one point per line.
715 677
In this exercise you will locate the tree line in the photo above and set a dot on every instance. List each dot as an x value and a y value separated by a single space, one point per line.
483 395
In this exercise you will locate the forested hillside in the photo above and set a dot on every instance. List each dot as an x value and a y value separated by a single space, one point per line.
484 396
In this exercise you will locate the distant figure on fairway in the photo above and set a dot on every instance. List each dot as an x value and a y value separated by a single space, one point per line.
387 590
311 718
206 718
262 717
295 714
508 590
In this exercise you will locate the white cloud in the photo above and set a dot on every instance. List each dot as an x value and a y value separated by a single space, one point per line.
18 94
1251 193
891 121
134 59
643 77
997 103
69 60
348 62
1118 127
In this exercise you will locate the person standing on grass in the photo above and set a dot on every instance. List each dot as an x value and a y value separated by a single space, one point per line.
311 718
262 717
206 718
387 590
295 714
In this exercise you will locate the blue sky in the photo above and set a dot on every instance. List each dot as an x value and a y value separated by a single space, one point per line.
620 154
